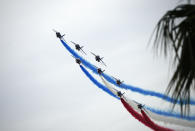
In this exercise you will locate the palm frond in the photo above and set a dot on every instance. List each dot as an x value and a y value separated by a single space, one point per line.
175 37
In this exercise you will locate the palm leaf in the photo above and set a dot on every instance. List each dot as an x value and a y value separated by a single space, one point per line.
175 37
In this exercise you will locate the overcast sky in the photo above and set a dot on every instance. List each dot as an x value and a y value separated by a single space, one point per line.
41 87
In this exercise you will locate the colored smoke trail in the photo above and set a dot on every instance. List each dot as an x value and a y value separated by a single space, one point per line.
143 118
114 91
156 114
144 92
173 114
134 113
170 120
164 116
96 82
154 125
124 86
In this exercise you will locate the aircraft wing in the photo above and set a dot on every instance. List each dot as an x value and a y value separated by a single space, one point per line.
136 102
73 42
54 30
114 78
83 51
93 53
103 62
142 105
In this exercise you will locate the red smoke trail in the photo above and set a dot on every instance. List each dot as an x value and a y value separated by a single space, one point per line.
143 118
134 113
154 125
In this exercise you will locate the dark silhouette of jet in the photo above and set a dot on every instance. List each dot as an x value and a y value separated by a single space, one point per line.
118 81
78 61
140 106
120 94
58 35
78 47
98 58
99 70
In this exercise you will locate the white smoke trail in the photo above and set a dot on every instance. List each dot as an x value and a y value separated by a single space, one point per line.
154 116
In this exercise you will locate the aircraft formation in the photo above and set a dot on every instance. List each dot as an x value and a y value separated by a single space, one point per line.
97 58
164 115
80 48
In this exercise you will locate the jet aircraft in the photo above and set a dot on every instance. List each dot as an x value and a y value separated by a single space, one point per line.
78 61
58 35
118 81
120 94
99 70
98 58
78 47
140 106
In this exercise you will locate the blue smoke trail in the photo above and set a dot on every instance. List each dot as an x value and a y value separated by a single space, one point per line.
142 91
84 62
171 114
124 86
157 111
97 83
